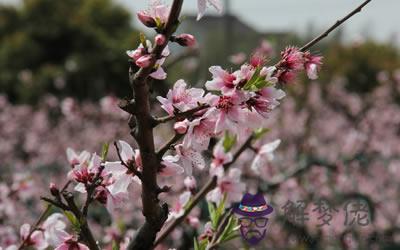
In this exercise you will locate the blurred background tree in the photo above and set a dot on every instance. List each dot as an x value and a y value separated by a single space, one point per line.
77 48
67 48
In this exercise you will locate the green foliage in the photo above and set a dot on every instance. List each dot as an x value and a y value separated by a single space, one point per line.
74 221
202 245
229 141
256 82
115 246
259 133
216 212
359 64
104 151
230 231
68 47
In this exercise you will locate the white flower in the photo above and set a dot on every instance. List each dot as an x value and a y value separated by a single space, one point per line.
264 155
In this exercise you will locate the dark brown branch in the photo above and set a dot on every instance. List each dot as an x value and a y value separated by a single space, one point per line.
85 231
90 189
181 115
168 145
128 106
333 27
154 213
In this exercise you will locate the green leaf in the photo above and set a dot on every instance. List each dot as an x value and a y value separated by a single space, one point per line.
74 221
200 246
213 215
143 40
104 151
229 141
230 231
196 244
260 132
221 206
115 246
253 79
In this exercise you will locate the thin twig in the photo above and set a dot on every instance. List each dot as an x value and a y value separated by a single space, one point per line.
36 226
85 231
181 115
333 27
130 168
168 145
210 185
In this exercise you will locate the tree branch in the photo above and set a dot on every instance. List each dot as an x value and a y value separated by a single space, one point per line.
333 27
85 232
155 215
181 115
210 185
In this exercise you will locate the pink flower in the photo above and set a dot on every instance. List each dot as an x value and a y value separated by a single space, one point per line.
229 185
70 243
229 112
292 59
186 40
220 157
146 19
222 80
200 131
189 158
181 127
202 5
257 60
237 58
137 53
264 155
160 39
265 100
36 239
142 57
76 159
178 208
54 229
190 183
312 65
287 76
144 61
168 166
155 16
85 172
180 98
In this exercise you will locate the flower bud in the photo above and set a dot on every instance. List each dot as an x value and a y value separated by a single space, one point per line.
186 40
193 221
160 39
190 183
146 19
144 61
181 127
256 60
54 190
135 54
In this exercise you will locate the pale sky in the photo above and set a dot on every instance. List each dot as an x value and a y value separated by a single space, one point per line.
380 19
